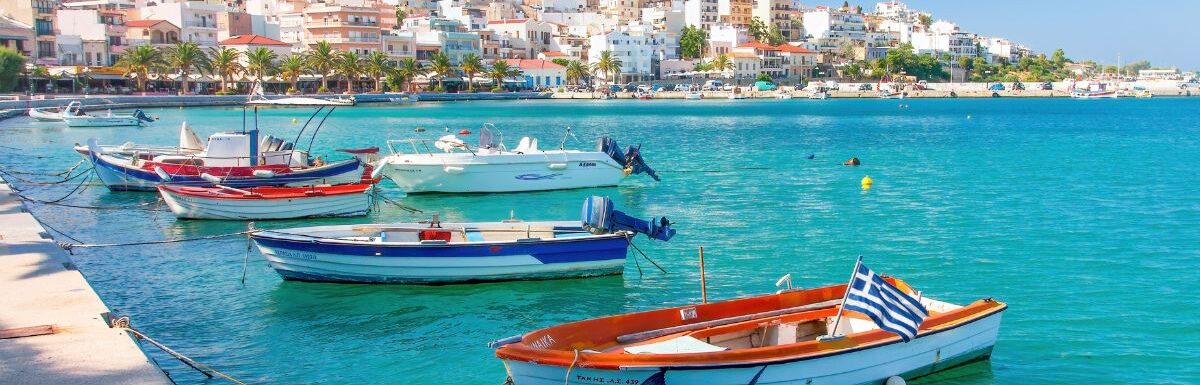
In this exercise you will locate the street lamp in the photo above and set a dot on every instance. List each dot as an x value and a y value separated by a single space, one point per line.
29 67
86 74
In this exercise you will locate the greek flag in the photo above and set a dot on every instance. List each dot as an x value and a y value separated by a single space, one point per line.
889 307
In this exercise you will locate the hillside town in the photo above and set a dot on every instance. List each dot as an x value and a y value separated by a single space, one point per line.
210 46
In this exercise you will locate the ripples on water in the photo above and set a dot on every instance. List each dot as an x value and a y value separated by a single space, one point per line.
1082 215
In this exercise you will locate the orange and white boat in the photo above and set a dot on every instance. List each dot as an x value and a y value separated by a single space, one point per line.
770 339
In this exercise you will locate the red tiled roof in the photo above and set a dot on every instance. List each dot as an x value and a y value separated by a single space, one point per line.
145 23
252 40
793 49
507 21
757 45
533 64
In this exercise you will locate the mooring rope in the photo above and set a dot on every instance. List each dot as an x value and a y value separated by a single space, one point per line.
639 250
59 174
208 371
70 246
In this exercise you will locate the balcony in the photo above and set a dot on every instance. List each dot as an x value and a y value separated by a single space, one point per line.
196 24
353 39
115 29
336 23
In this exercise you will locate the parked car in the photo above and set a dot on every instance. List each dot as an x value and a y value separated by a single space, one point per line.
865 87
713 85
764 86
1018 86
1046 86
996 87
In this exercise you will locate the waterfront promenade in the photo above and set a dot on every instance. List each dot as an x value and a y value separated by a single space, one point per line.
53 326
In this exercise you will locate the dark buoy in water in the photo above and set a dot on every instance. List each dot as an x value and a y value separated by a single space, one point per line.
419 129
852 162
810 156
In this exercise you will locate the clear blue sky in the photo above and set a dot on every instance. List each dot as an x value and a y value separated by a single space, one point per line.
1165 32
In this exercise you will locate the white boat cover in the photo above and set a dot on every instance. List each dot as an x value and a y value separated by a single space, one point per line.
678 345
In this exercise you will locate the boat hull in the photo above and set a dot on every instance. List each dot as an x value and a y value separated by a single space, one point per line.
46 116
102 121
309 260
195 206
118 175
927 354
513 173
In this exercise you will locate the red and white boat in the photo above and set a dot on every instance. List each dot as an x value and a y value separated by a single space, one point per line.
259 203
769 339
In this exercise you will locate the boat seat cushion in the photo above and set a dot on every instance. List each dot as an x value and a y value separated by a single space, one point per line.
678 345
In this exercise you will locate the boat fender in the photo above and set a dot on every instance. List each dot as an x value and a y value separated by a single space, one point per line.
377 170
867 182
209 177
264 174
557 166
894 380
162 174
453 170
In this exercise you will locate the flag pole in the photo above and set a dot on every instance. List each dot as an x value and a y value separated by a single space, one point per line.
842 307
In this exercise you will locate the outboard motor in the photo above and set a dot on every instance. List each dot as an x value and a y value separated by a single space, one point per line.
141 115
600 218
631 159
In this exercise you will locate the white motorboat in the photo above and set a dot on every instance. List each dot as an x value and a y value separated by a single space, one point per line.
405 98
55 114
783 95
1093 90
258 98
693 96
449 165
189 144
137 118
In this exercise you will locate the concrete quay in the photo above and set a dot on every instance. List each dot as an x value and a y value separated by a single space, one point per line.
53 326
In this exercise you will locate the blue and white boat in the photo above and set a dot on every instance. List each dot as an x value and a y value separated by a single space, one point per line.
438 253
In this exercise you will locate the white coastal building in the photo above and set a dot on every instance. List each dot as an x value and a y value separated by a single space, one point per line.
638 46
945 37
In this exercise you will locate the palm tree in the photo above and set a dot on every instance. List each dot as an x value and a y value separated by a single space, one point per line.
290 68
607 64
500 70
186 57
322 58
576 71
225 62
722 63
471 65
259 61
440 64
139 61
377 65
350 65
409 69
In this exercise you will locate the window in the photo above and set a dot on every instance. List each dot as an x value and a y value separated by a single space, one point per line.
45 49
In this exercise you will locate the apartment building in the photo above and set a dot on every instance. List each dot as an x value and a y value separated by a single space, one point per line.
528 36
638 46
783 14
701 13
735 12
834 27
346 28
153 32
246 43
91 33
16 35
40 15
621 9
197 20
945 37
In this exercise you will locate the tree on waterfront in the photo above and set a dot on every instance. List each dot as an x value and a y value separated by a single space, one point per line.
1059 57
576 71
186 57
11 65
350 65
441 66
291 68
320 59
722 63
561 61
692 41
902 59
225 62
259 61
377 65
925 20
408 70
854 71
966 64
607 64
500 70
775 36
139 60
471 65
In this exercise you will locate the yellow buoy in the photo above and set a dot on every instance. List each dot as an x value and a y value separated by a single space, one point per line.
867 182
294 120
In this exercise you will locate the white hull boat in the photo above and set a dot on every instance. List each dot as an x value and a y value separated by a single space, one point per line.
493 168
55 114
818 95
780 338
302 102
693 96
137 118
260 203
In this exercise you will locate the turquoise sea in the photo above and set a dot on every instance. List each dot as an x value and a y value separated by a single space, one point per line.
1084 216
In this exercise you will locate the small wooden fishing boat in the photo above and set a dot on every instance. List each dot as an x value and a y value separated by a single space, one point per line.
435 253
259 203
779 338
